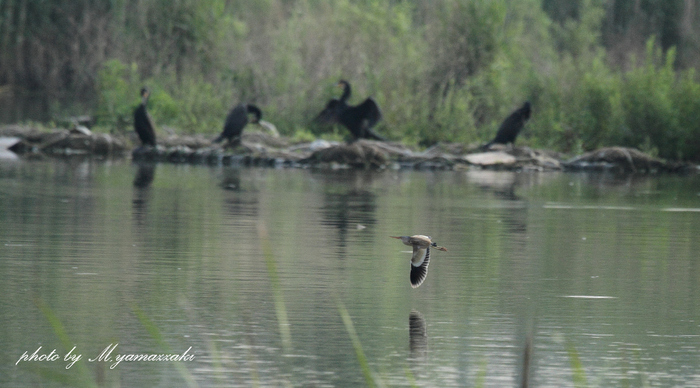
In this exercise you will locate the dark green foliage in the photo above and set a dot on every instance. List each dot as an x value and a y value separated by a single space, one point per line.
597 72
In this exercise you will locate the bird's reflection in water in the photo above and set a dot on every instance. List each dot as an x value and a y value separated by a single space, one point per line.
144 175
142 191
241 200
417 336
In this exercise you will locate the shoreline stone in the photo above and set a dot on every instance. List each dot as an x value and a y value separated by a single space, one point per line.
263 149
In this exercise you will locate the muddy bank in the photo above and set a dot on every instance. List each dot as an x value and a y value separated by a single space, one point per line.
263 149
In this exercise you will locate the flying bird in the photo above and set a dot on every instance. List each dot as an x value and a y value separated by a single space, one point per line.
143 123
358 119
511 126
421 256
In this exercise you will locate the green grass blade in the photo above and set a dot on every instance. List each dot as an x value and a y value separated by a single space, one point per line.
84 377
280 308
411 378
579 375
359 353
155 333
481 374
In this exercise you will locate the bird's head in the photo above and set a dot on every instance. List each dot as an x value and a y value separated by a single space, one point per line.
439 248
256 112
345 86
145 92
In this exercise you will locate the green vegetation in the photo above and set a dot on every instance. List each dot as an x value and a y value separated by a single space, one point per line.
370 379
597 72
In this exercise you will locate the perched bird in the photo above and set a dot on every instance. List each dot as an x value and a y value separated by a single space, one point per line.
511 126
143 123
421 256
236 120
358 119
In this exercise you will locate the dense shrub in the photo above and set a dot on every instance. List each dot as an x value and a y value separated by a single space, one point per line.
446 70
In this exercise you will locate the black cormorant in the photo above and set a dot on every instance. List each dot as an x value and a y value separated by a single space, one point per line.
358 119
511 126
143 123
236 120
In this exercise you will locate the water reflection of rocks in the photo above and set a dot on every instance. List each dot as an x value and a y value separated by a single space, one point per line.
231 179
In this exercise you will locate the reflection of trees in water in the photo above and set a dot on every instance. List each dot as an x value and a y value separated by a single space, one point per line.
348 202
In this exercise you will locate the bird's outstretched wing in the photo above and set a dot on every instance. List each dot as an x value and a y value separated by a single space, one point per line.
419 266
329 114
369 111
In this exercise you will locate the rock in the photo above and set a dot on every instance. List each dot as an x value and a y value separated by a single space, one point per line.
269 128
192 142
5 144
63 142
621 159
265 149
81 130
489 159
264 139
314 146
358 154
514 158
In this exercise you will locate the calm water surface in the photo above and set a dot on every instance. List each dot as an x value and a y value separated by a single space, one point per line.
252 268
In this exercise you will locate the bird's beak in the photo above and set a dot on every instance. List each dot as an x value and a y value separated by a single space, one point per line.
441 249
399 238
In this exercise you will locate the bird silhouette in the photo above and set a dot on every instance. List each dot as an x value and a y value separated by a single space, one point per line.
511 126
236 120
358 119
143 123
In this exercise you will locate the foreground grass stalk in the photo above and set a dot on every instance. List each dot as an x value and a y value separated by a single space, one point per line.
579 375
155 333
84 377
280 308
359 353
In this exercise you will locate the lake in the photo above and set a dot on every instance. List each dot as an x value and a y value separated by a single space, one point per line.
288 277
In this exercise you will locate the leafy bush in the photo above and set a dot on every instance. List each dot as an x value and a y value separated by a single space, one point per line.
440 71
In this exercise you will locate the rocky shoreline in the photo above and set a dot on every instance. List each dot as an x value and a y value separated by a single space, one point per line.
262 149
